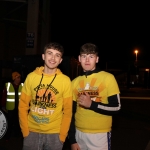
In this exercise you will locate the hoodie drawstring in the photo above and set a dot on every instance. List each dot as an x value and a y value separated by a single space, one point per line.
46 88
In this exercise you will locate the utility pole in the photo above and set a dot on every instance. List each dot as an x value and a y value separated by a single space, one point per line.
32 27
46 24
32 44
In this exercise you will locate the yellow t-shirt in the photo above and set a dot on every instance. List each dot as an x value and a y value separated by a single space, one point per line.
49 105
99 86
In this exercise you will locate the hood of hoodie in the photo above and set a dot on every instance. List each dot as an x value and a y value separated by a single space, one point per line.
39 71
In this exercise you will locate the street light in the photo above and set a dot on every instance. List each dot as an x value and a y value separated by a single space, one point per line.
136 52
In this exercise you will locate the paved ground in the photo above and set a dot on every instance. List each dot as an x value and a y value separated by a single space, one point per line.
131 127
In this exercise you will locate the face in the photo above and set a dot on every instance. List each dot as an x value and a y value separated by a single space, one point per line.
17 80
52 58
88 61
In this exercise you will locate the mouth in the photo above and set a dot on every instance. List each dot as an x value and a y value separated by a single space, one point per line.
51 62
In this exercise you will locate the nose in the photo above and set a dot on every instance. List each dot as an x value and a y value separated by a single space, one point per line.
53 56
87 59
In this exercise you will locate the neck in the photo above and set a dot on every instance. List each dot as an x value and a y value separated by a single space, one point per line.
49 71
16 83
91 72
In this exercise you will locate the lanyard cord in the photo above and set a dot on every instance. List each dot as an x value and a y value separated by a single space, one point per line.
46 88
38 87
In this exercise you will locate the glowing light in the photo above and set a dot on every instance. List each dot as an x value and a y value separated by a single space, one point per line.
136 52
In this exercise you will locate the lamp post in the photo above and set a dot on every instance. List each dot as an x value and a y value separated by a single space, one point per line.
136 66
136 52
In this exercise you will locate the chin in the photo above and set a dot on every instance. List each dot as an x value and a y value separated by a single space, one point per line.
51 67
85 70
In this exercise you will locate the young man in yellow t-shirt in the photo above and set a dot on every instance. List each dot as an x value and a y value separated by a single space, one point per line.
45 107
95 99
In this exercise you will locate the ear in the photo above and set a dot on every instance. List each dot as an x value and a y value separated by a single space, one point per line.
79 58
43 56
97 59
60 60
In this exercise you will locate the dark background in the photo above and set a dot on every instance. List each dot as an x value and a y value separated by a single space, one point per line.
118 28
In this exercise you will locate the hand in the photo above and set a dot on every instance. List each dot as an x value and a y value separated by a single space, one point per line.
75 146
85 100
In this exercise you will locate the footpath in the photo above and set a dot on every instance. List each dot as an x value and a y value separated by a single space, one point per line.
131 127
134 92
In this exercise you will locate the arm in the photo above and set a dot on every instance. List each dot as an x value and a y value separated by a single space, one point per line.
72 130
67 111
23 113
111 108
23 107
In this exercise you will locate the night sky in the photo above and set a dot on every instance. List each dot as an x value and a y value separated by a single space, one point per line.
118 28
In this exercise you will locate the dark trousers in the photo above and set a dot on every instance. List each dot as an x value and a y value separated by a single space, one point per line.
40 141
13 124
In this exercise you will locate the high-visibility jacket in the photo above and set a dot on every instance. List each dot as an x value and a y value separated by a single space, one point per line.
10 101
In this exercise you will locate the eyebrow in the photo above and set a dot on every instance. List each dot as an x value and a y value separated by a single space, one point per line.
59 54
52 52
88 54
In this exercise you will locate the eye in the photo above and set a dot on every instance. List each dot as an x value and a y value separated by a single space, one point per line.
57 55
83 56
92 56
49 53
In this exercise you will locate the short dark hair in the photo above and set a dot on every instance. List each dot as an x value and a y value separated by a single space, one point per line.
55 46
89 48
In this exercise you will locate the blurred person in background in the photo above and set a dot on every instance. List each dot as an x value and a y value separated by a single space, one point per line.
10 100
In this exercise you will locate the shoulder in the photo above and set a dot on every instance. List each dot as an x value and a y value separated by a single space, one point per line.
64 77
75 80
30 75
8 83
104 73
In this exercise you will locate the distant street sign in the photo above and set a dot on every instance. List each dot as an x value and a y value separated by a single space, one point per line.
30 40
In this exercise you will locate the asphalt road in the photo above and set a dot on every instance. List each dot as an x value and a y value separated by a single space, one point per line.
131 127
